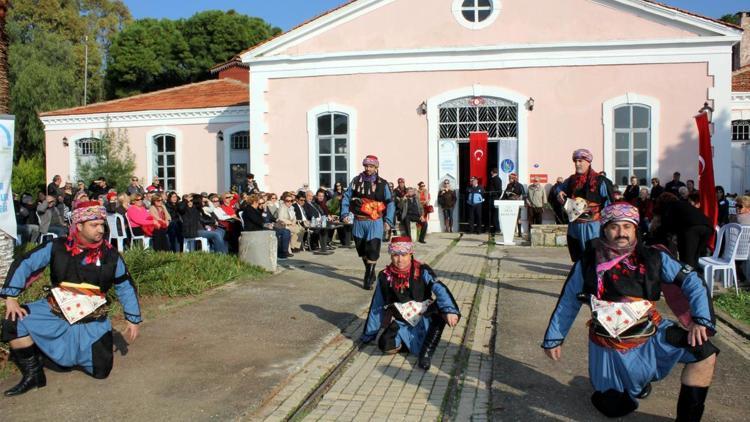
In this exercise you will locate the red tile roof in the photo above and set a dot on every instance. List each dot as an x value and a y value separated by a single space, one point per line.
346 3
741 79
211 93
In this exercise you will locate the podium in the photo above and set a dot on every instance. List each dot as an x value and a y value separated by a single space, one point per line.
507 212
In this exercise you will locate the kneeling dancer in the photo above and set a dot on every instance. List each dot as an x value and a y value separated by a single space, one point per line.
404 307
367 202
630 345
40 329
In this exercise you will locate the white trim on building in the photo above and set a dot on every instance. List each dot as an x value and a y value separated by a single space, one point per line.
457 9
213 115
227 153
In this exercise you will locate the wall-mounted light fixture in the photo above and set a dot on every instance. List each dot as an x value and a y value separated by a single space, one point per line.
65 141
220 136
422 109
530 104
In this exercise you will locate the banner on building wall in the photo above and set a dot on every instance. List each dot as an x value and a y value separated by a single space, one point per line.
7 211
448 162
706 182
507 151
478 151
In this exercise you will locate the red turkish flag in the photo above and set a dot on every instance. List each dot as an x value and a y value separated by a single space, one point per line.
706 183
478 156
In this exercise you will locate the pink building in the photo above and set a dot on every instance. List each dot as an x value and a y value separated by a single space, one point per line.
408 80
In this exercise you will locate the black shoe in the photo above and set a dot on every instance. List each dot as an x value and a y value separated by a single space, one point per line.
29 361
645 392
422 241
431 342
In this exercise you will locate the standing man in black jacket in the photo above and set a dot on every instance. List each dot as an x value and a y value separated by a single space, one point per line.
494 191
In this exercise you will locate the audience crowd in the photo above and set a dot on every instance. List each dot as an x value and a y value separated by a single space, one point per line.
306 220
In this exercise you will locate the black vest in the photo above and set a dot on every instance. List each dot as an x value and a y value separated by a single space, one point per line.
646 286
65 267
363 189
585 191
417 290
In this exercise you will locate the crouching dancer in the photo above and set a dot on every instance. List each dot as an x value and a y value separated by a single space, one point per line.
404 307
630 345
41 329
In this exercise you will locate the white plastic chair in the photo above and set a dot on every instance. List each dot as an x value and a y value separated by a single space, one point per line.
730 236
117 233
242 220
188 245
145 240
44 236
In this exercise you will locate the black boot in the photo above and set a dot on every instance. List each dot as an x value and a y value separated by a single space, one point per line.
691 403
431 341
29 361
369 276
645 392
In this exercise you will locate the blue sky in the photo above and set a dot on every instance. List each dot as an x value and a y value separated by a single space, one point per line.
289 13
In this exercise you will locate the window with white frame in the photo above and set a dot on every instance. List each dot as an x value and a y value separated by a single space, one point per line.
333 149
741 130
632 143
87 147
241 140
165 167
476 14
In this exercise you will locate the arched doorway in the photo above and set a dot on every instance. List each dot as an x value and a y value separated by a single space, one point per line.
457 118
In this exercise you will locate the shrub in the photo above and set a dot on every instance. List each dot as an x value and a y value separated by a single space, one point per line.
28 176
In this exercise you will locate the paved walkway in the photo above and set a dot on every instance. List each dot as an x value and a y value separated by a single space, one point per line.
285 346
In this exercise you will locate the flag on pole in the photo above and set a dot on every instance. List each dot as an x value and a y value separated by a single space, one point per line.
706 182
478 149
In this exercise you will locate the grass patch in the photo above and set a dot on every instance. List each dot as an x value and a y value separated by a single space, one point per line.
163 274
737 306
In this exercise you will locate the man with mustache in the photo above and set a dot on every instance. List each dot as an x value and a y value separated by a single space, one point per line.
630 344
598 192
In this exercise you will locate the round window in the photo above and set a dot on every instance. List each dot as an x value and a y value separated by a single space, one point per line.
476 14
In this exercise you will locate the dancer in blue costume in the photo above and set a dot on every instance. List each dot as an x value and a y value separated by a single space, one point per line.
367 202
408 280
35 331
596 189
618 270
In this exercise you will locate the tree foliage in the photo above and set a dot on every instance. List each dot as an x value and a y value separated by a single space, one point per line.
113 160
733 18
28 175
151 54
48 40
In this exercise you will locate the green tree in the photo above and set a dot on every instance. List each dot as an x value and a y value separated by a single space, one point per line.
151 54
42 74
47 55
28 175
733 18
113 160
215 36
147 55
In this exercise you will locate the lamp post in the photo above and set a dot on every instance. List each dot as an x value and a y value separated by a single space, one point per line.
85 68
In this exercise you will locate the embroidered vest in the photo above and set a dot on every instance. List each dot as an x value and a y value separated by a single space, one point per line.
632 284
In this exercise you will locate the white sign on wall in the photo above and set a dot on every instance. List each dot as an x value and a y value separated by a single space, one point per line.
7 211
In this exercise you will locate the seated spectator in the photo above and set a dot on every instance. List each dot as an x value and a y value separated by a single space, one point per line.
110 203
80 196
228 219
174 230
256 219
123 203
683 193
645 209
159 239
80 187
98 187
68 195
272 205
26 219
140 220
135 186
320 204
155 186
211 224
197 224
288 219
52 217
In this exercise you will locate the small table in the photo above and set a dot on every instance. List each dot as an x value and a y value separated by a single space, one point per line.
323 234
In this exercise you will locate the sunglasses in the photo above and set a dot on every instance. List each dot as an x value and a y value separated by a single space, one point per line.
214 200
